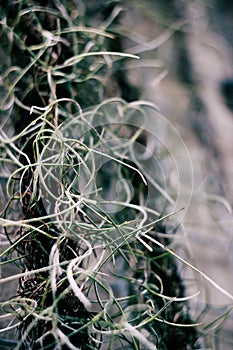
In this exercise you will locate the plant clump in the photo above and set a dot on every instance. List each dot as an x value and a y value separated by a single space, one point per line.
85 201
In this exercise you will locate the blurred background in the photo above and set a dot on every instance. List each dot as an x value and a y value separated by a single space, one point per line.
186 68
